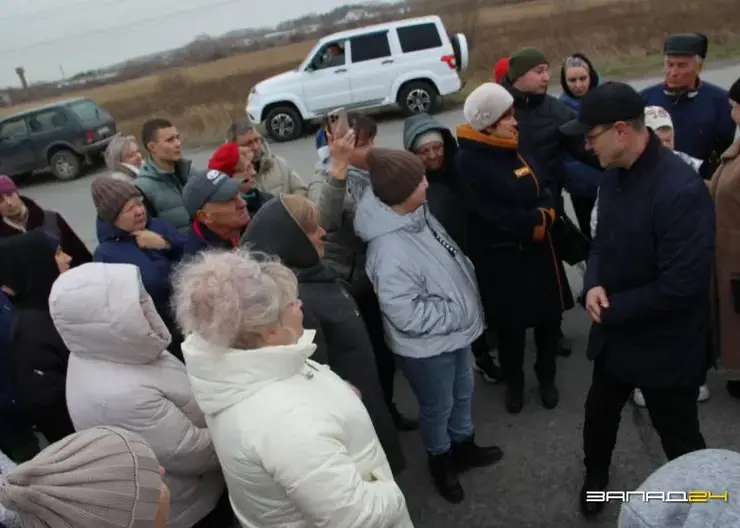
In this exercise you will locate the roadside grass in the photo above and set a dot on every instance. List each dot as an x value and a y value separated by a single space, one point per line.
622 37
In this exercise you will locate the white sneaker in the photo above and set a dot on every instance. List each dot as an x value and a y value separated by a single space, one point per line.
638 398
703 394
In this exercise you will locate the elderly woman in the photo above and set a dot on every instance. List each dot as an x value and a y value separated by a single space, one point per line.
295 441
126 235
288 228
119 374
123 158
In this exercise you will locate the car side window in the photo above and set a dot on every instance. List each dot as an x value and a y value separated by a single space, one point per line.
46 121
419 37
330 56
14 129
370 47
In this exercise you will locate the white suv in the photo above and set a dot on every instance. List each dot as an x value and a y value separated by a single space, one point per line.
410 62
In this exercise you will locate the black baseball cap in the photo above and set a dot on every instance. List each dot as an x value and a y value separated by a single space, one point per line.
211 186
605 105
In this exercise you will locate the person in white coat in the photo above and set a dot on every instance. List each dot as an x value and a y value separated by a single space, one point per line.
295 442
120 374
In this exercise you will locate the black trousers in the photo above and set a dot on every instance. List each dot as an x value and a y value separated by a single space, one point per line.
385 362
583 207
222 516
673 411
511 345
53 422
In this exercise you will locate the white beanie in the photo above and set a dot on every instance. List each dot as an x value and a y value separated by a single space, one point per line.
657 117
433 136
486 104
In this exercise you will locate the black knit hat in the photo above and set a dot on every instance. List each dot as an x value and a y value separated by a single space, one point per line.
735 91
394 174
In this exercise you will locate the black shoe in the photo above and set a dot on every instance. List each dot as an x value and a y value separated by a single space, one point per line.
549 395
403 423
595 481
733 388
445 477
514 399
467 454
486 366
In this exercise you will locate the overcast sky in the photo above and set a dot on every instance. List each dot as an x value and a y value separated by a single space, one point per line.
80 35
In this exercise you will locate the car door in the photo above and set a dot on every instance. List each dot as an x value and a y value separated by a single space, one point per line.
373 68
48 126
17 154
325 81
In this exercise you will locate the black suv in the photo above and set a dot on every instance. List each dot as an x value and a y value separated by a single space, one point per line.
62 136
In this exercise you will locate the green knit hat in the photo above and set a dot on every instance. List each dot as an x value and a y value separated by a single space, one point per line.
524 60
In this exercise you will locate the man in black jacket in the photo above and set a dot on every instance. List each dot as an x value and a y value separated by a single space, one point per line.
539 117
647 283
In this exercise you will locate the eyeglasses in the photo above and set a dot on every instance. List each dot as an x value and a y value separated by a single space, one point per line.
589 139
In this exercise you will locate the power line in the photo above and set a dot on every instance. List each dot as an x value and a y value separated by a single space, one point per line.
142 21
52 12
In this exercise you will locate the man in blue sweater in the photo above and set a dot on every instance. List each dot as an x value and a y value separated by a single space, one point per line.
700 110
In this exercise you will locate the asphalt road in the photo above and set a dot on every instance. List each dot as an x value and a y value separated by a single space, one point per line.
537 482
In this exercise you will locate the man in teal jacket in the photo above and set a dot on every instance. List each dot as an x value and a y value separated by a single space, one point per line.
164 173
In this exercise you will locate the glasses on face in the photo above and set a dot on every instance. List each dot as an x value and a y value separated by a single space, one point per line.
590 138
135 204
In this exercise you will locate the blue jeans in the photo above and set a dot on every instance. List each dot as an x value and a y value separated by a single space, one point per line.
443 385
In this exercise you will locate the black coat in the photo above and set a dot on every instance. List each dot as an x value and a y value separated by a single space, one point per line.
521 281
539 118
655 264
341 337
443 194
38 355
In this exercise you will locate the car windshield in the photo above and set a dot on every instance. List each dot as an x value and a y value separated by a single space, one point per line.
85 110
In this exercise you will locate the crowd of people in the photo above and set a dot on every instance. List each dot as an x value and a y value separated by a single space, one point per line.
227 352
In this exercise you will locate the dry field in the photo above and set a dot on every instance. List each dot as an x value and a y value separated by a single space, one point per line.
623 37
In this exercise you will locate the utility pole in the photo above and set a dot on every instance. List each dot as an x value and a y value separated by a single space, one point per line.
61 70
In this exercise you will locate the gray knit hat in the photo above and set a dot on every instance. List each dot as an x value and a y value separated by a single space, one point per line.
110 195
102 477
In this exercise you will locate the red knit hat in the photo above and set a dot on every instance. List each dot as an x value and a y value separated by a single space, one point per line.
501 69
225 159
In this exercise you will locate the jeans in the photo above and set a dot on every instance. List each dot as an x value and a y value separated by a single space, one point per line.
443 386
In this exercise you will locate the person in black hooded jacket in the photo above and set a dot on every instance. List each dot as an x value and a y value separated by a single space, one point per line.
29 264
577 78
288 228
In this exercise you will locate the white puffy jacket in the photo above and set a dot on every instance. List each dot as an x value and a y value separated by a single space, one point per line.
296 444
120 374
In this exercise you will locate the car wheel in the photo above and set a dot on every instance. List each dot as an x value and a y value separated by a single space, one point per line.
418 97
284 123
65 165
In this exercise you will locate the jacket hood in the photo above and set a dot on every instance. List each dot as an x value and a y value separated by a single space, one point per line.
29 268
595 79
713 470
419 124
273 230
224 377
102 311
373 218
